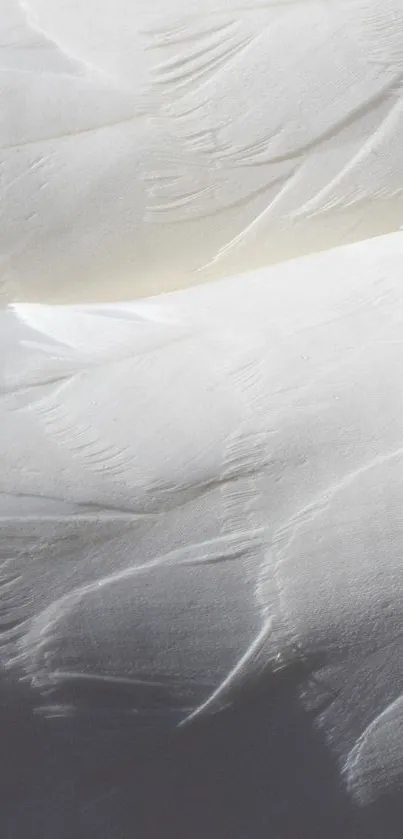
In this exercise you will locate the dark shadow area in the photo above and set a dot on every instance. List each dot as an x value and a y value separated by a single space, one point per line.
255 771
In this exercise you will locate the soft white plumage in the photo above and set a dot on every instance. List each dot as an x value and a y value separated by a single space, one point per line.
205 487
201 491
147 146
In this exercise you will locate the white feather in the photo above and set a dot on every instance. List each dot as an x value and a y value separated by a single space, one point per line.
151 146
202 488
205 487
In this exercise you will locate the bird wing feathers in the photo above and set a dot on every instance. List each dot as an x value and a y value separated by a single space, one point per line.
241 520
263 131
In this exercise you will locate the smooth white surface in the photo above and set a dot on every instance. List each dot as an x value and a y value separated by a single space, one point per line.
147 146
244 517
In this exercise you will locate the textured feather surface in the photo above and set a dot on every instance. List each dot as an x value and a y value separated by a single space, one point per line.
149 147
163 549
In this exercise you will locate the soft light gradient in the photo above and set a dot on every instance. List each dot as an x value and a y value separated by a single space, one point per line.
201 479
153 144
